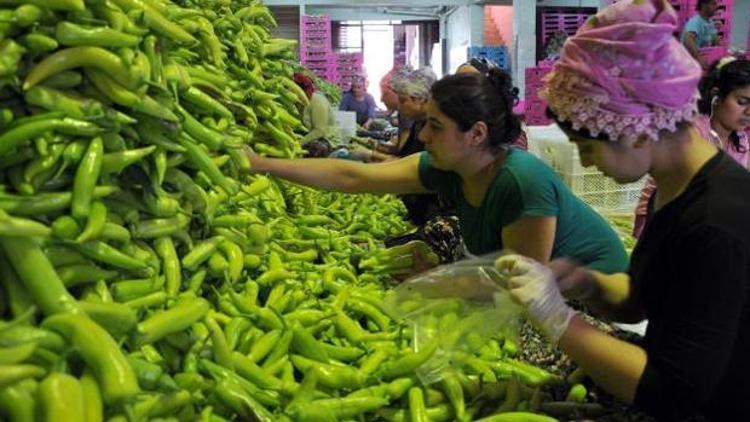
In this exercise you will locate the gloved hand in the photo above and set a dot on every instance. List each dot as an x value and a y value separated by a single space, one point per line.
534 286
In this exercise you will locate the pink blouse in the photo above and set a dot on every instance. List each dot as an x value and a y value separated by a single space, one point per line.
703 124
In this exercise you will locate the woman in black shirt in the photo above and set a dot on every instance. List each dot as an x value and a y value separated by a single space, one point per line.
625 91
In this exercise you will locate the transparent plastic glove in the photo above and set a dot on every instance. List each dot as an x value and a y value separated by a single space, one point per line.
534 286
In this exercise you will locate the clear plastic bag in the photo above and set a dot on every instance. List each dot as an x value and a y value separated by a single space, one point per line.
460 306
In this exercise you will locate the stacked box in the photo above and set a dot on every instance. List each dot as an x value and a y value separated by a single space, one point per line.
497 55
535 107
348 66
713 54
592 186
557 20
315 47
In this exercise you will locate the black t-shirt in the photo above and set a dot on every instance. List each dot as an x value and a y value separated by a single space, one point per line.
691 271
420 207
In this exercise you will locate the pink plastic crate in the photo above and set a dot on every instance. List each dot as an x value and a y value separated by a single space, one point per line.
553 21
712 54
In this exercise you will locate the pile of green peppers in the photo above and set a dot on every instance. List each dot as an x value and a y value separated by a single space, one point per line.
144 275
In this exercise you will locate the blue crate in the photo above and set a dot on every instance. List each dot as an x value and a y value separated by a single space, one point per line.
497 55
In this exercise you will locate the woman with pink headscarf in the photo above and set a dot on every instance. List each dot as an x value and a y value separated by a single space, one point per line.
626 92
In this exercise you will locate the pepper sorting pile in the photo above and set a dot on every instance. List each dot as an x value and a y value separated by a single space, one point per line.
144 275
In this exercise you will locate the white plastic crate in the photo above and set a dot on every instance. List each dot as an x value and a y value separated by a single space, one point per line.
588 183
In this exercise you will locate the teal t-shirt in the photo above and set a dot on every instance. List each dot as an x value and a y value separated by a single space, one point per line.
704 30
527 187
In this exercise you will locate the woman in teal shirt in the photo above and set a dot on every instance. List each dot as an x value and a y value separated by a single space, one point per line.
505 197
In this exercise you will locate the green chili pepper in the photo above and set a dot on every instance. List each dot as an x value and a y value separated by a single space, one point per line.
61 398
208 137
158 227
69 58
22 132
201 252
116 318
17 401
92 399
101 354
174 319
157 21
71 34
305 344
206 103
38 275
77 274
329 375
117 161
407 363
248 369
95 222
14 227
102 252
86 177
201 160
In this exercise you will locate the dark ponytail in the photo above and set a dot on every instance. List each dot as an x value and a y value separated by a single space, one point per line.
471 98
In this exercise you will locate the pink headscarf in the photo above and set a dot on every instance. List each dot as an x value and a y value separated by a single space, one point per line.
624 73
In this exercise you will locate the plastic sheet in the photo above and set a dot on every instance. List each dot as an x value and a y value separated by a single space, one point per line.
460 306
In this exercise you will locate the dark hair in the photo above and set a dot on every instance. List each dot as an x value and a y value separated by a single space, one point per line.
471 98
701 3
720 81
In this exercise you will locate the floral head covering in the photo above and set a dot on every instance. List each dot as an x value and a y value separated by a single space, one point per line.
624 74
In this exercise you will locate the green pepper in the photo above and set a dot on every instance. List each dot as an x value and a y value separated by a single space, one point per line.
71 34
206 103
117 161
171 264
172 320
201 160
201 252
77 274
101 354
30 129
246 368
407 363
69 58
14 227
102 252
17 402
39 43
61 398
157 21
38 275
116 318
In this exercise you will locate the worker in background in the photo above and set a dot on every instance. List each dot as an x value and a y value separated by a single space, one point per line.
318 116
699 31
724 118
689 274
360 102
389 97
413 90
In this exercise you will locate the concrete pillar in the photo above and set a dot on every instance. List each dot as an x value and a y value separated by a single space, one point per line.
476 17
523 50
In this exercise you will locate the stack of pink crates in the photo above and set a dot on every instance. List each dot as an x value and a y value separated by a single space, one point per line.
557 20
535 107
315 47
348 65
